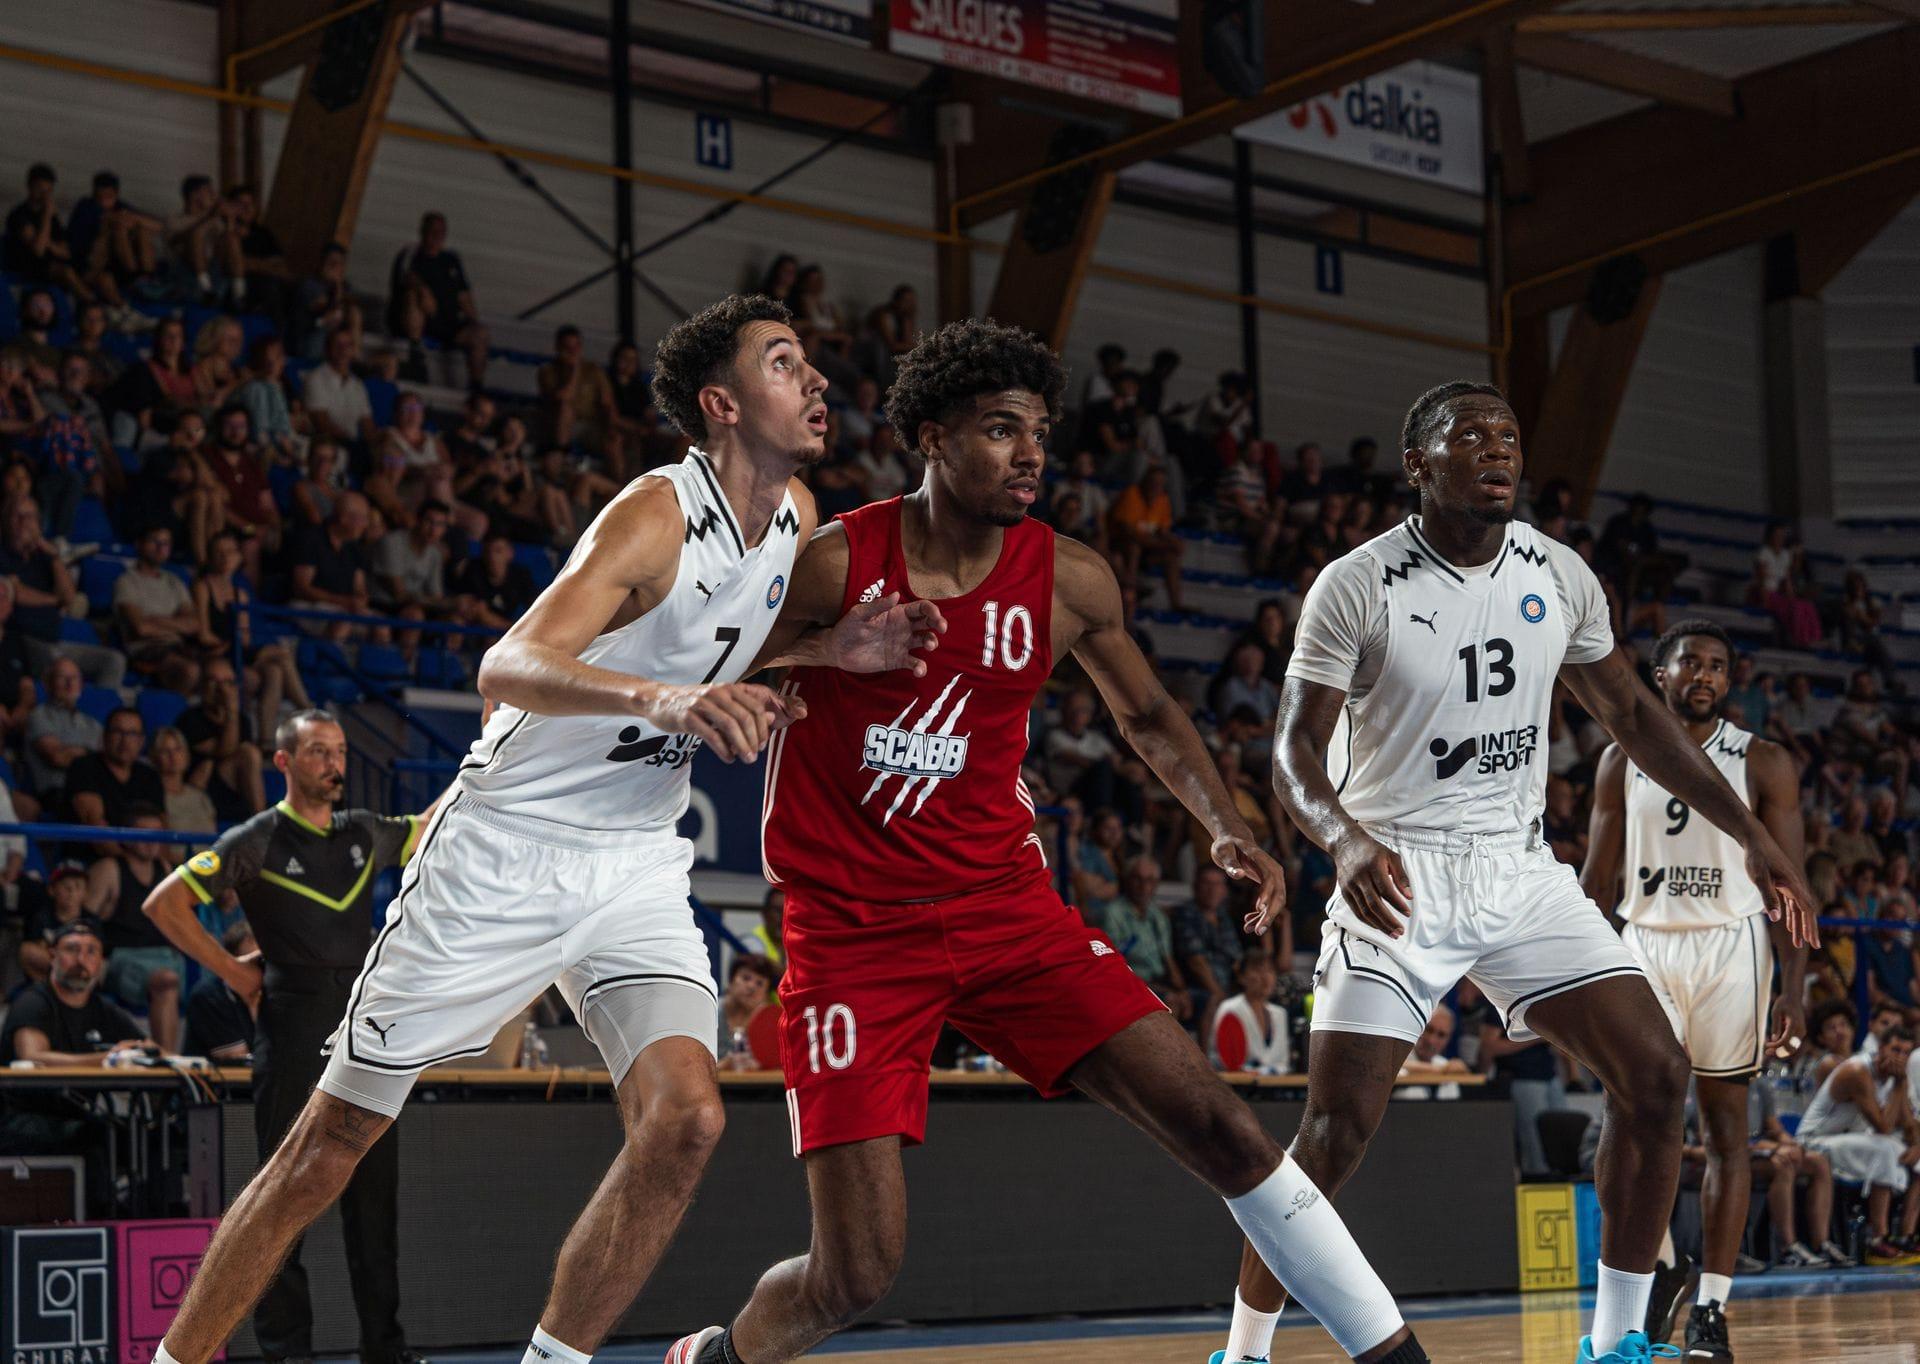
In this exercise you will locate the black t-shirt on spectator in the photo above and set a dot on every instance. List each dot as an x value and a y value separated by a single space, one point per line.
333 569
142 787
93 1027
260 243
15 667
508 598
631 399
23 222
464 453
216 1017
196 727
34 570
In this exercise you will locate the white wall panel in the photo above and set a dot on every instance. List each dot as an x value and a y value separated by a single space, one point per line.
1873 326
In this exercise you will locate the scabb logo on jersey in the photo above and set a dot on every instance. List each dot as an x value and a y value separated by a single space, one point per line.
918 754
1505 750
1693 883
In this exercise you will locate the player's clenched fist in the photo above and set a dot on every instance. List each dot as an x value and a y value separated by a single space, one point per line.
1374 883
734 719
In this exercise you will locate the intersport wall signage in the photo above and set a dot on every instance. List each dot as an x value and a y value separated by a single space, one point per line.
1418 120
1124 54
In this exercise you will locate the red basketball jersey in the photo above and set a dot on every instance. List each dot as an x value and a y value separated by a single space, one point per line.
898 787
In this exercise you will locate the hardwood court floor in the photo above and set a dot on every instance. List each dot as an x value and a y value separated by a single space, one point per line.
1851 1328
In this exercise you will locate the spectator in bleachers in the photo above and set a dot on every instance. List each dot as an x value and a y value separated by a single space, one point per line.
749 981
102 788
329 570
36 245
220 735
175 488
1108 363
768 939
263 394
1363 479
491 589
576 399
471 441
1206 941
22 419
245 499
1892 960
39 316
1225 421
1270 633
202 253
778 279
1629 553
1864 737
336 398
78 457
1141 524
1096 867
891 330
1080 757
104 368
412 464
43 589
1428 1061
1779 583
144 970
315 494
863 414
58 732
62 902
1860 629
430 296
112 240
889 471
409 567
1135 443
1267 1034
1153 387
155 613
261 283
1142 933
217 350
635 419
1883 809
1094 502
219 1024
1752 693
16 670
822 328
1795 722
188 808
324 305
504 489
153 395
1307 484
1244 683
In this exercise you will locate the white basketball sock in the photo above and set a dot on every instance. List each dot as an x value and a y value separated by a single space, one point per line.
1311 1252
162 1355
1619 1306
546 1350
1251 1335
1715 1288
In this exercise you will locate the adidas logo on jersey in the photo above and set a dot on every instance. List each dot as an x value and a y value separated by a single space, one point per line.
871 592
1506 750
1100 949
294 868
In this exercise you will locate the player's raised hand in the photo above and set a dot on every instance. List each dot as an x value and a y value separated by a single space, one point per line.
734 719
886 633
1374 883
1244 860
1783 889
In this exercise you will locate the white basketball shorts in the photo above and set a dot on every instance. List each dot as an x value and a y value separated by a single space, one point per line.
492 910
1715 984
1498 908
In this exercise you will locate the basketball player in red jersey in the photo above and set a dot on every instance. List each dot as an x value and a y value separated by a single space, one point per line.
917 891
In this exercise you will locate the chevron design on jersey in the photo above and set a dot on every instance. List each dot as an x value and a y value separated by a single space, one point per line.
787 521
710 520
1400 573
1536 557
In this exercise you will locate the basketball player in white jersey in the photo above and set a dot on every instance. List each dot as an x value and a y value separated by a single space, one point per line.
1862 1120
1697 925
1411 746
554 857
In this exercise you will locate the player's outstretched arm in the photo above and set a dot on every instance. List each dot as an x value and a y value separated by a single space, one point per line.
1606 831
874 636
622 569
1371 877
1089 619
1658 744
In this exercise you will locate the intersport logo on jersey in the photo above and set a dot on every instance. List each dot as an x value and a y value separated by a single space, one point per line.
1505 750
1691 883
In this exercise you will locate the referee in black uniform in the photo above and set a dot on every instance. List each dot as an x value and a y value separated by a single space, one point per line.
305 870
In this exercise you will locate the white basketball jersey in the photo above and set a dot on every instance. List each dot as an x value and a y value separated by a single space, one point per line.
1448 673
617 771
1682 872
1830 1117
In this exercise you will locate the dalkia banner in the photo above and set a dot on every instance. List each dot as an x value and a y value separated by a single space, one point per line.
1419 120
1124 54
848 20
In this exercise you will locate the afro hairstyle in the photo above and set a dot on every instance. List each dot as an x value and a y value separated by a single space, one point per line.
965 360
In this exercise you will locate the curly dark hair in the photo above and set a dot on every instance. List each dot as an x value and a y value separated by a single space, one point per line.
1663 647
700 351
1430 409
964 360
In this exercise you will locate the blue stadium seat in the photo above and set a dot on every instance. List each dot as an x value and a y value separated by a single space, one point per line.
160 707
130 460
99 702
440 668
9 311
334 689
282 478
90 523
383 663
77 631
539 562
275 783
98 574
381 396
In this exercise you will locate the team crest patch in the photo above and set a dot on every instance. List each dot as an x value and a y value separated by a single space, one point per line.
204 863
1532 609
774 591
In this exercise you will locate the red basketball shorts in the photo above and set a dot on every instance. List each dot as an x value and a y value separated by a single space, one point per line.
868 986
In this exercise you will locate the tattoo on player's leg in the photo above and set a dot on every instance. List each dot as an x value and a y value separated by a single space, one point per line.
354 1128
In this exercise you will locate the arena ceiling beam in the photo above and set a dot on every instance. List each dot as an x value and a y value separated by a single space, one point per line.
1681 19
1619 69
1312 46
1674 185
1904 9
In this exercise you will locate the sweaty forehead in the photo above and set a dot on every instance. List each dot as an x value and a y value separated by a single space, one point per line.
1476 409
757 336
1021 402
